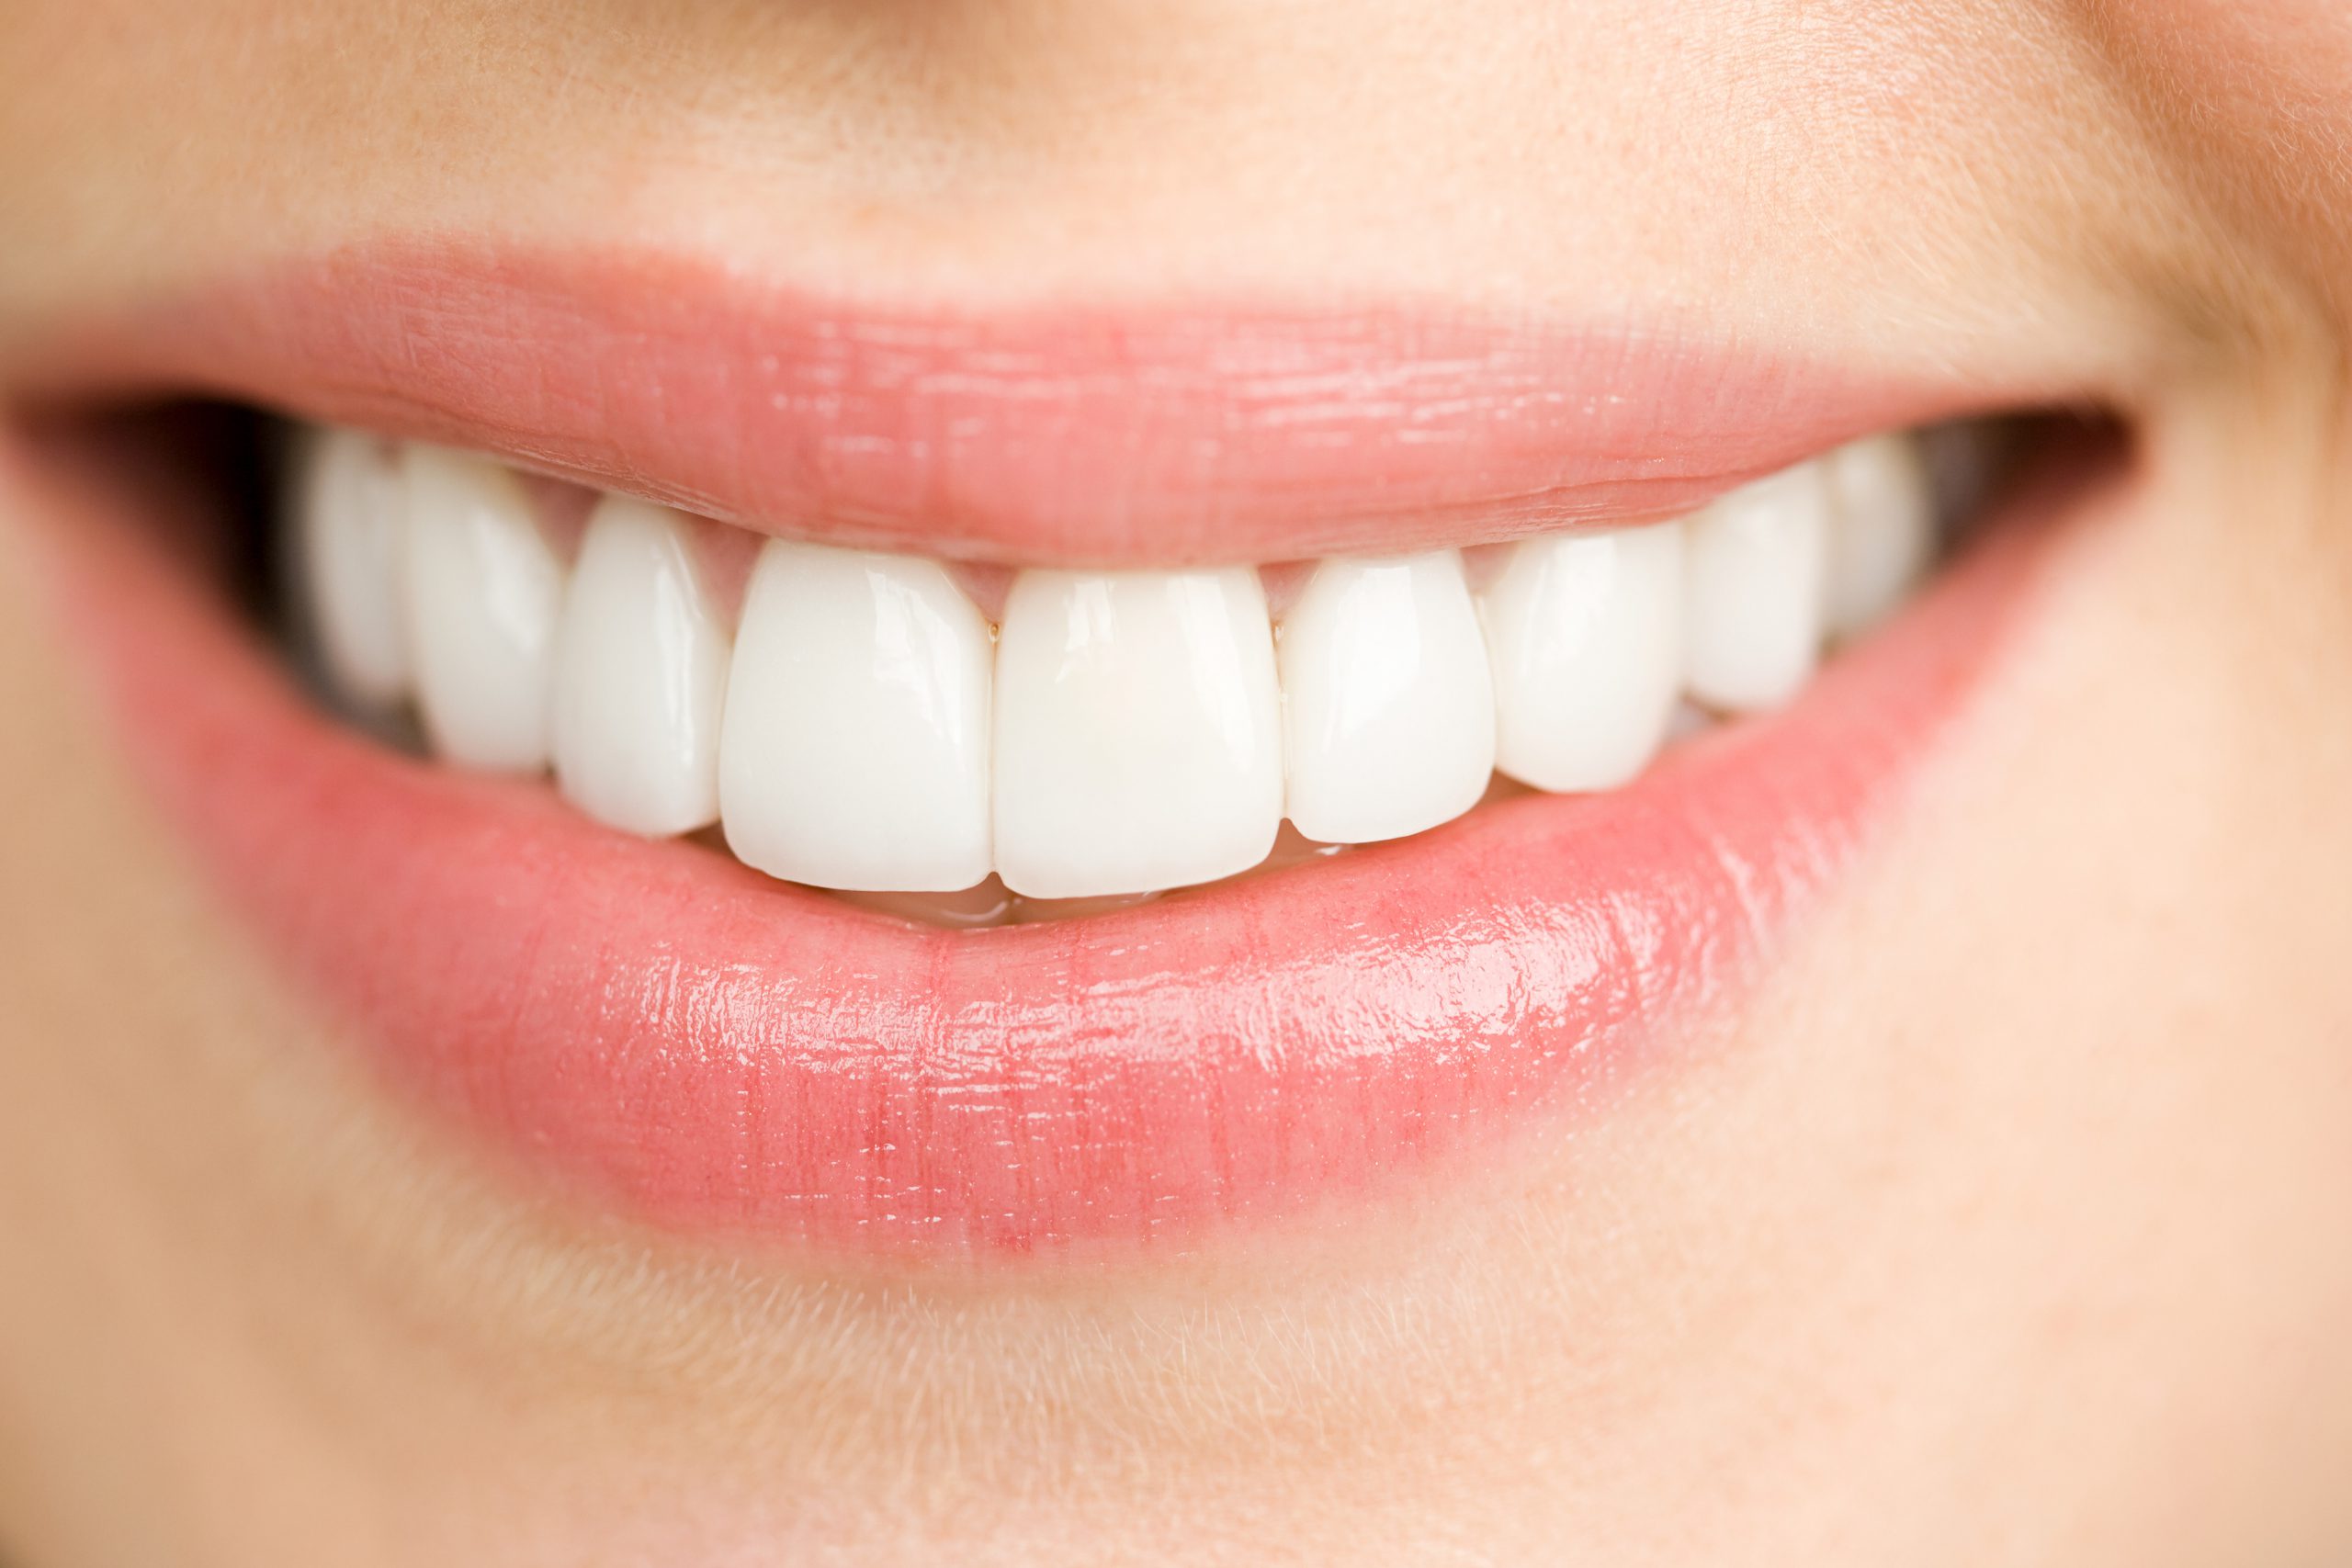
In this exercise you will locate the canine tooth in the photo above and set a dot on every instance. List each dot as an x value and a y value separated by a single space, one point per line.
1389 711
641 668
347 512
483 596
1585 634
1754 565
1139 731
1881 531
856 748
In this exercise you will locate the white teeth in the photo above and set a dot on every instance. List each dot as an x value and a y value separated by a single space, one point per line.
1139 731
1389 712
640 668
856 752
1882 530
1123 732
1586 632
1755 561
484 595
347 508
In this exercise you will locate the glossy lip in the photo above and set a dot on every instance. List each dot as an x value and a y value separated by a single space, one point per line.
1112 437
668 1033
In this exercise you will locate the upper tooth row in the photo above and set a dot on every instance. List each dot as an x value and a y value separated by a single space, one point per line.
864 727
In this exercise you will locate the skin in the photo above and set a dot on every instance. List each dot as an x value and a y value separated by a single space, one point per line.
2004 1224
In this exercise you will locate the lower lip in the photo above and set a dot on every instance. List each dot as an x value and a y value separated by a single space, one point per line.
660 1030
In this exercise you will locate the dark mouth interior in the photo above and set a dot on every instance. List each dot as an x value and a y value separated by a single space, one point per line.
221 462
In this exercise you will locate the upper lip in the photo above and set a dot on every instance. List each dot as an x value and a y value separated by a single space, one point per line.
1065 436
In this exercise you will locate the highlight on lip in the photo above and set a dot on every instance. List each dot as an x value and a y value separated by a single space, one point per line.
884 723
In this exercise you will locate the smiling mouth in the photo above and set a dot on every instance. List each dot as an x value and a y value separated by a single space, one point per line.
1000 746
716 674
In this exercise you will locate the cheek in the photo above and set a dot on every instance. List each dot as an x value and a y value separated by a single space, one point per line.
2257 98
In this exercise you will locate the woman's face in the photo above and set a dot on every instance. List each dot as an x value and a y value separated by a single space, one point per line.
1903 1124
